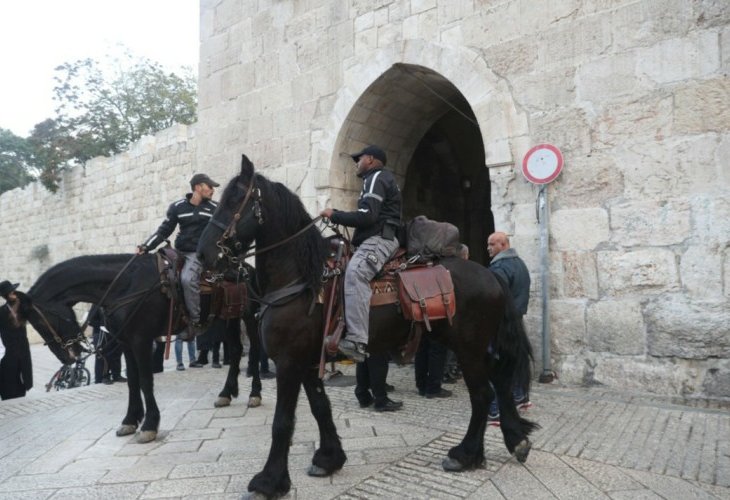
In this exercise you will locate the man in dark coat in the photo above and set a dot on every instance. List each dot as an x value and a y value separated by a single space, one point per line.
16 369
510 267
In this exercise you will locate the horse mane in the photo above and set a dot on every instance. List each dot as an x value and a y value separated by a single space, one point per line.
67 274
288 215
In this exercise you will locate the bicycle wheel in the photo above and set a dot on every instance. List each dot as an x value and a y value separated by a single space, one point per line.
53 383
82 377
65 378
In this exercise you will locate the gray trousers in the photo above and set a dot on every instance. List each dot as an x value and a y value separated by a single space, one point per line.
190 280
368 260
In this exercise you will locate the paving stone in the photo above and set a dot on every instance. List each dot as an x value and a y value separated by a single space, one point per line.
595 443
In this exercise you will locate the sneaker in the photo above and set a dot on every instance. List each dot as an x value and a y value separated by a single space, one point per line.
493 418
180 367
195 364
442 393
356 351
523 404
107 381
216 364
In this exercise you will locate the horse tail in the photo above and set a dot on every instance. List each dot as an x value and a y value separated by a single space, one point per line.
513 345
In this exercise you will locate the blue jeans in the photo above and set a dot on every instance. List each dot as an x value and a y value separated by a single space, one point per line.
517 394
178 350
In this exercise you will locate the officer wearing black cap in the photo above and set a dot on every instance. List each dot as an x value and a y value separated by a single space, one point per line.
192 214
376 222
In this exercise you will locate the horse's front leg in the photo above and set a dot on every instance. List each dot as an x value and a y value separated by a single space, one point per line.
142 349
232 341
330 457
469 453
273 481
135 408
254 364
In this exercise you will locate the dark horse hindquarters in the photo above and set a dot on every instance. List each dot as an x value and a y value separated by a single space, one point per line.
269 214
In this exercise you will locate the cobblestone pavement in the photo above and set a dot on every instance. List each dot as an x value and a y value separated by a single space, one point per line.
594 443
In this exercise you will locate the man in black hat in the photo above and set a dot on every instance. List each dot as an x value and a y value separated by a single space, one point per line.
16 368
192 213
376 222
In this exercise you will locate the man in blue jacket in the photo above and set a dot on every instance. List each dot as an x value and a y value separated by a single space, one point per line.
510 267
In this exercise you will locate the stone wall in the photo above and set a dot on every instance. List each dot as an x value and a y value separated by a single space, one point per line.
109 206
634 92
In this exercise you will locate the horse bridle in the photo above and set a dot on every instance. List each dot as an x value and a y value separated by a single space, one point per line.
229 231
233 255
80 338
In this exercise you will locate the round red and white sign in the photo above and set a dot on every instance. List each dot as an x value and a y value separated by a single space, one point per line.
542 164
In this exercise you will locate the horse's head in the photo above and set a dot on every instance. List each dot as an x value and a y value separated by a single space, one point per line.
236 222
56 325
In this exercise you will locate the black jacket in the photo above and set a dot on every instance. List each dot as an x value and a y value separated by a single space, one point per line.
379 204
16 367
192 220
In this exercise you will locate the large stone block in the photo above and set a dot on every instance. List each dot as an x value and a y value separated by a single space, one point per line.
616 326
693 57
650 223
642 272
580 277
669 169
646 374
587 182
678 326
567 326
574 229
702 106
608 78
717 381
636 120
546 90
698 270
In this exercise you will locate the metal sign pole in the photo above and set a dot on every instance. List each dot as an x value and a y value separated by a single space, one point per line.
542 165
543 217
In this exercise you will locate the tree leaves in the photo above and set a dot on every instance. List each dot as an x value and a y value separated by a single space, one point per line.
102 107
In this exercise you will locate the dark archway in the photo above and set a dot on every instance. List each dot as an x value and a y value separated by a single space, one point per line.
434 147
446 180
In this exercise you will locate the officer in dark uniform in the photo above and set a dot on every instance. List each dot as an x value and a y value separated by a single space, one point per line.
192 214
376 222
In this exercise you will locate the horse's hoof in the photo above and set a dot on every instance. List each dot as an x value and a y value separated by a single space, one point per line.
146 436
126 430
254 495
222 402
452 465
522 450
317 471
254 401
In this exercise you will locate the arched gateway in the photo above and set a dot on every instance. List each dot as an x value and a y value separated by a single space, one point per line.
440 125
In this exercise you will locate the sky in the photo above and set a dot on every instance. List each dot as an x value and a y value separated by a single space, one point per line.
38 35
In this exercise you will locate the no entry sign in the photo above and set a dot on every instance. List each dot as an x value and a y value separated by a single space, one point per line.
542 164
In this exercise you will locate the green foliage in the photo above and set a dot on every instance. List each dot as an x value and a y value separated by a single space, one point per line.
101 109
15 161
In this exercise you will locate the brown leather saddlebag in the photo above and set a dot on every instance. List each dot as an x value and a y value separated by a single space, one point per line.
427 294
230 300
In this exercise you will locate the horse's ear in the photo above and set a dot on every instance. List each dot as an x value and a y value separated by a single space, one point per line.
246 167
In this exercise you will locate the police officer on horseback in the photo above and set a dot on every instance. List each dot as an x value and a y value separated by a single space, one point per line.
376 222
192 214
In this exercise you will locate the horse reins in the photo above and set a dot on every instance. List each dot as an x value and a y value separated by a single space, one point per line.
230 230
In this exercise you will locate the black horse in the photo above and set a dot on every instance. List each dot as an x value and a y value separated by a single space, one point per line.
290 258
136 312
